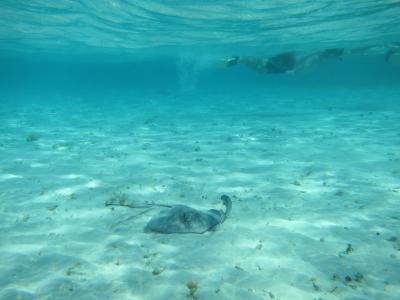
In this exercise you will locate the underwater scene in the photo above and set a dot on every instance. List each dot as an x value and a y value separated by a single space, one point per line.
200 150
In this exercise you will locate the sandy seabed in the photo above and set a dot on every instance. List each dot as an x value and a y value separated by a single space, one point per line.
315 193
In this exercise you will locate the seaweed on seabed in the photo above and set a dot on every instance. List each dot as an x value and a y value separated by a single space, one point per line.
192 287
32 137
118 198
349 250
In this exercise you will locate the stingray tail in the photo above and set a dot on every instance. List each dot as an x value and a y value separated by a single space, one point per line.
226 200
137 205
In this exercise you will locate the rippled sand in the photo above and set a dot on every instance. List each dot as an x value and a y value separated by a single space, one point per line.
315 195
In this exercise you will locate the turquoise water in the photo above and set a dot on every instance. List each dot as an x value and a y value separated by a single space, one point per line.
290 109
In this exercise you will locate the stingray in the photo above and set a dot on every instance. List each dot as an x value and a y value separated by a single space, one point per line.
183 219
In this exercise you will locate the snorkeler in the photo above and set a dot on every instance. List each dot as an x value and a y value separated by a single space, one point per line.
278 64
285 63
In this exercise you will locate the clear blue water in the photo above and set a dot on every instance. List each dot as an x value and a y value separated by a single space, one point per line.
180 102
